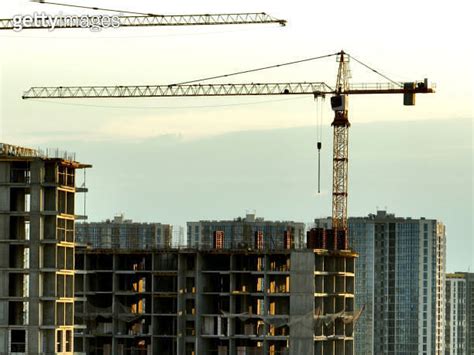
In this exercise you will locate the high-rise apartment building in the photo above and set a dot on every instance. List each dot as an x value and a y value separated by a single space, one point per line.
121 233
37 245
256 293
456 332
469 312
240 233
460 313
399 283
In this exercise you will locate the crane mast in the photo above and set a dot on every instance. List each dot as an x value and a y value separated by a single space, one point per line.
339 103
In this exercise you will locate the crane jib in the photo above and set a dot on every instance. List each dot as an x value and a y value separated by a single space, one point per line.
252 89
26 22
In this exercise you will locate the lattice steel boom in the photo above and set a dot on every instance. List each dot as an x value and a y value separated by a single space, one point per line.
289 88
176 90
158 20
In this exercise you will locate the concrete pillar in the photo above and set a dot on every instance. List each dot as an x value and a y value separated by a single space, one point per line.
232 307
302 302
181 304
199 303
266 286
115 308
36 235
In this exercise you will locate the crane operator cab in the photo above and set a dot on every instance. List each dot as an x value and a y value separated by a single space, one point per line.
339 102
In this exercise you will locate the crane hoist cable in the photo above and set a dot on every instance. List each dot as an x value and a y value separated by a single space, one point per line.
318 144
375 71
286 64
256 69
320 101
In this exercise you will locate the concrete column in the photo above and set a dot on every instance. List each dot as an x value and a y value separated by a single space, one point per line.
181 304
232 309
4 255
266 286
302 302
153 324
36 235
199 302
114 304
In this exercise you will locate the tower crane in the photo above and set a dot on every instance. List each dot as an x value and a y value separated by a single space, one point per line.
339 103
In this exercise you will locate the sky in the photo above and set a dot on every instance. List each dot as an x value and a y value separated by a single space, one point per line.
404 40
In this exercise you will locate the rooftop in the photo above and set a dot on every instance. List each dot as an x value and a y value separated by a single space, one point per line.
249 218
456 275
10 150
119 219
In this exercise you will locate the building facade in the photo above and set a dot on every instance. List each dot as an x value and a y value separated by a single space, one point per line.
37 246
262 297
469 312
240 233
460 313
121 233
400 277
456 322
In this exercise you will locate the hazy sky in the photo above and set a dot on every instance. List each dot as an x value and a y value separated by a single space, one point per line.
406 40
273 171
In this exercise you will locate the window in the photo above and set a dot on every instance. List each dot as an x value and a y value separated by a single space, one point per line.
18 340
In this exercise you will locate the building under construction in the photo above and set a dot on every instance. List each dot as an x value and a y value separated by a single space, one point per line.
37 215
247 286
